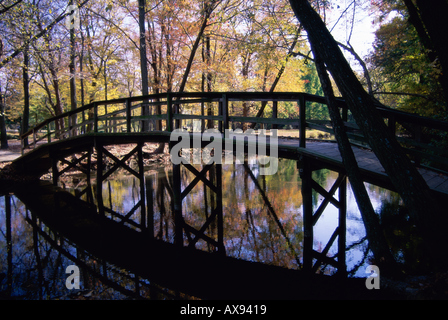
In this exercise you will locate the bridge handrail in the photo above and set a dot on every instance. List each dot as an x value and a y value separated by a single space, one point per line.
171 101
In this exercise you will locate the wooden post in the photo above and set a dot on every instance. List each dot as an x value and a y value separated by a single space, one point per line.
54 167
225 113
141 173
219 209
177 122
48 133
177 206
99 177
202 114
95 117
307 203
150 207
70 126
84 126
220 113
34 138
106 122
128 115
89 183
342 269
169 113
302 120
274 113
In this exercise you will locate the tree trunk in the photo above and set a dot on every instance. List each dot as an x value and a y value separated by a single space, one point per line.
143 60
156 81
208 11
247 58
377 241
277 78
154 65
58 105
419 200
81 69
72 69
4 140
26 92
208 79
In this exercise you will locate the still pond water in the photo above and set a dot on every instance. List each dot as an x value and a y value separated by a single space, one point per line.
33 264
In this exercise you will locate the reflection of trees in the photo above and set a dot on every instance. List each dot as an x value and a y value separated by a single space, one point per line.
401 233
250 230
164 194
37 257
33 267
262 223
321 177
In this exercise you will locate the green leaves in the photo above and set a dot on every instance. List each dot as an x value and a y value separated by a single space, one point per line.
399 63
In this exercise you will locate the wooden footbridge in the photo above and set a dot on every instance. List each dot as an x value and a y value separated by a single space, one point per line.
71 139
153 118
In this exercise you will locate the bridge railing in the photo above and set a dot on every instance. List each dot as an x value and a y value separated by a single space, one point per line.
166 112
222 110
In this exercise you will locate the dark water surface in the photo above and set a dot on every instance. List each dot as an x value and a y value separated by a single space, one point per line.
262 221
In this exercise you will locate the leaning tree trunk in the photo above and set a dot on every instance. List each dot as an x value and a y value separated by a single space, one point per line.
418 198
377 240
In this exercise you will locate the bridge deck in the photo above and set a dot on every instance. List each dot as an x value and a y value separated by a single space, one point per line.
370 165
326 153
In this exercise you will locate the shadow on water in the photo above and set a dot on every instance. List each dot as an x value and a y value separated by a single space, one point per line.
258 235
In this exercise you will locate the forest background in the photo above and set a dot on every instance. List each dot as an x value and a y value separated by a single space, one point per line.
47 68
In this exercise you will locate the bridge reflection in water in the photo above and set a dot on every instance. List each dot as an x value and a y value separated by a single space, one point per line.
216 231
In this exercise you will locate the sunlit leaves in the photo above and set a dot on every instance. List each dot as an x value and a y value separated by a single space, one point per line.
249 43
400 63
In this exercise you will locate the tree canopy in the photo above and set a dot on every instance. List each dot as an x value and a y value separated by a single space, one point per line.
245 45
125 48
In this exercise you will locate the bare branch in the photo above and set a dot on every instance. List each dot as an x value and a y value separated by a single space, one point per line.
115 25
350 49
37 36
4 9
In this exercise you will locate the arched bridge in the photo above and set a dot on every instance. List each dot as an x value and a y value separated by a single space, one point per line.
152 119
137 120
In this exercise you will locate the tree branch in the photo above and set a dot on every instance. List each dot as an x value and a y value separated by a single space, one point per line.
36 36
4 9
207 15
350 49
